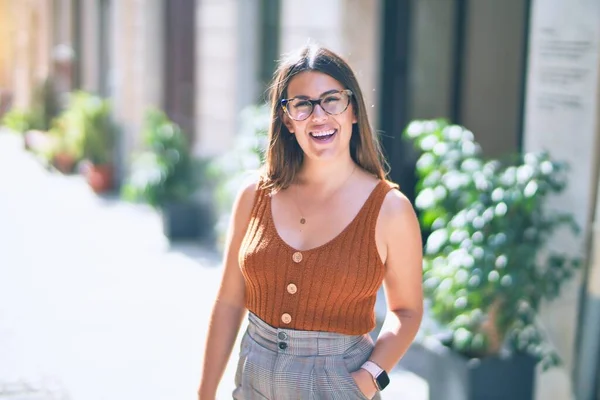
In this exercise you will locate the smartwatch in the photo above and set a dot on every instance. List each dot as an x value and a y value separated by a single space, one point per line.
380 377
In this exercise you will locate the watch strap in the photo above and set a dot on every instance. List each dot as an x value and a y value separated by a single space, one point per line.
379 375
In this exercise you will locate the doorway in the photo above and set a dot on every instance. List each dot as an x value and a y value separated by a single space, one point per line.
440 60
180 64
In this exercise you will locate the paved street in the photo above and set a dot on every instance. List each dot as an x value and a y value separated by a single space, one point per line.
94 303
92 299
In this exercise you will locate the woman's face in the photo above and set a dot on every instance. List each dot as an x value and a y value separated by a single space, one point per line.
321 135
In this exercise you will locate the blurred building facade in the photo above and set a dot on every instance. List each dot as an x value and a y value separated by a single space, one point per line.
493 66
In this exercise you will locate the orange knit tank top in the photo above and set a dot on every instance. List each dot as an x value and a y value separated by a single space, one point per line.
331 288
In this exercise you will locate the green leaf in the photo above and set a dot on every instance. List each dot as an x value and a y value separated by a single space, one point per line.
490 225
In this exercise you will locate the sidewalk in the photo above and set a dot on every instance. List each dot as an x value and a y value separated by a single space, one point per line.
94 302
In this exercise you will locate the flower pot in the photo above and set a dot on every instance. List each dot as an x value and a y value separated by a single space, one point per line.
99 177
181 220
453 377
64 162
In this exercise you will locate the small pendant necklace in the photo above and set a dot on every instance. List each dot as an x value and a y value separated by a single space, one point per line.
302 218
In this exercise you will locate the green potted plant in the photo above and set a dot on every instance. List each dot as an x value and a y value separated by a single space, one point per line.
60 153
67 136
487 266
88 123
166 176
45 105
24 123
33 122
17 120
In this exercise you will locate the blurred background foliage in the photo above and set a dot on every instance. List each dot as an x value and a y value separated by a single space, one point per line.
487 266
164 170
239 165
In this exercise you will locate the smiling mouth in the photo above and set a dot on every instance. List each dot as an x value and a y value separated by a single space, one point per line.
323 135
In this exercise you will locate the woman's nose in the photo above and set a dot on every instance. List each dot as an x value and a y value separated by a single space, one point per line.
318 113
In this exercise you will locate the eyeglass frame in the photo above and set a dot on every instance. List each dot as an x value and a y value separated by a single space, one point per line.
314 103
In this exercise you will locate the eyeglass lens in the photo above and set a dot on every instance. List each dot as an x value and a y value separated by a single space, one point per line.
333 103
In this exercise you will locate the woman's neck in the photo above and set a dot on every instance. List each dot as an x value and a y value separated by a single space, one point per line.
325 175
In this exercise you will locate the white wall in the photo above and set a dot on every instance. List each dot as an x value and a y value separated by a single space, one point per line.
137 41
226 63
562 117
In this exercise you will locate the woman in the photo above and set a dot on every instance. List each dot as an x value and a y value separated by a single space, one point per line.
309 246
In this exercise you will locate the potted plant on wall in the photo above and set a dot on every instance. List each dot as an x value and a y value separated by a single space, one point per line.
167 177
17 120
26 124
487 267
45 105
67 136
64 152
93 118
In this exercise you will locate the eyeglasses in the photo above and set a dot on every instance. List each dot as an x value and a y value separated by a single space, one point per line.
333 103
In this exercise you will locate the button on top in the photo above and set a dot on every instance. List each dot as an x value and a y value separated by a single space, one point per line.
282 336
291 288
286 318
297 257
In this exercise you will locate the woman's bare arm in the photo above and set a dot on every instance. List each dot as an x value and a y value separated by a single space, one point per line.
399 236
228 310
403 280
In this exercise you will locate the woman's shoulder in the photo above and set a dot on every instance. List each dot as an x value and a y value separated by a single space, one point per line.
248 191
398 217
255 187
396 206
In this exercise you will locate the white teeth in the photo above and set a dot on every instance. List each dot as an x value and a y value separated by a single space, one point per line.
323 133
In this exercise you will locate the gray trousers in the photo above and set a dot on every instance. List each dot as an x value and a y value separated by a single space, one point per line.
284 364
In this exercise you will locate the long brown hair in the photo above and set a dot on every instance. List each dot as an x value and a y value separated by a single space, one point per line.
284 156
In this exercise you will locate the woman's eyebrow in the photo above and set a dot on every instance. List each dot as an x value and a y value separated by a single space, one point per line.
304 97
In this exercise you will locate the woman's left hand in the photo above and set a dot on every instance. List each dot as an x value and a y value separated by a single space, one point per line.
365 383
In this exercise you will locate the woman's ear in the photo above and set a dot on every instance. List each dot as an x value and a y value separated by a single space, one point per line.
288 122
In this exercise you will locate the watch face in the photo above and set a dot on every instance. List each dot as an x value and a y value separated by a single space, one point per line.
383 380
